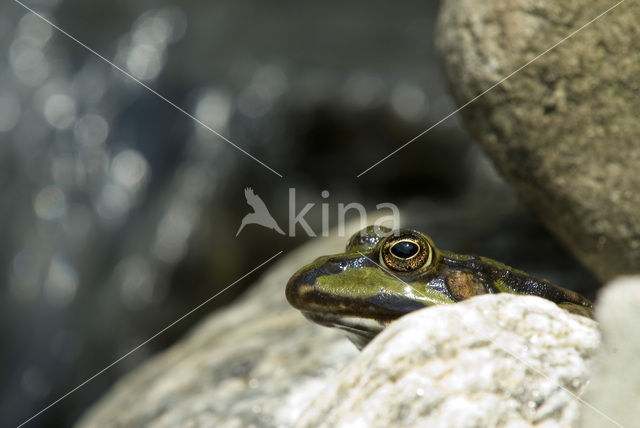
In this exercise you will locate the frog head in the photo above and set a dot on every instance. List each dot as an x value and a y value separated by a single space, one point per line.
381 276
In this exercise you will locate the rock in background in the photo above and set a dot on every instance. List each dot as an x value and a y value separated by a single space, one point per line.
564 130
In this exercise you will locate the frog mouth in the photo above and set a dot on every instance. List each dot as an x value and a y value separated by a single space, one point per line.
360 331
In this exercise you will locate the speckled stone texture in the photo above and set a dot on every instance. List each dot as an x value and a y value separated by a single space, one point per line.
565 129
614 389
490 361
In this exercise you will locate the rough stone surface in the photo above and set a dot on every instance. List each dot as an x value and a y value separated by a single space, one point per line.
255 364
564 130
615 386
491 361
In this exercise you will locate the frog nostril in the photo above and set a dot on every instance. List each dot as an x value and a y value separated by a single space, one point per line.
333 265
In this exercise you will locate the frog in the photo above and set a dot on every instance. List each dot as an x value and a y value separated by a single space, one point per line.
384 274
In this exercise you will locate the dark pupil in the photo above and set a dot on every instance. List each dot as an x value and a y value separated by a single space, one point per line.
404 249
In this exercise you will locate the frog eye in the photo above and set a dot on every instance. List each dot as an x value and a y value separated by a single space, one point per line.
406 253
405 249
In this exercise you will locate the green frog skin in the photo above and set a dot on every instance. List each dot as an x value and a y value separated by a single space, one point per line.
384 275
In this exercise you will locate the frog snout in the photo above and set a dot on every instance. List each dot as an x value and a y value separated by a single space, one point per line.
298 288
333 266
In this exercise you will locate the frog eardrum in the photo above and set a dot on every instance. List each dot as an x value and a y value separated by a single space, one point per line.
406 253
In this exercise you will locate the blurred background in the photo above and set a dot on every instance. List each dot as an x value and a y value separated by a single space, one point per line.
118 213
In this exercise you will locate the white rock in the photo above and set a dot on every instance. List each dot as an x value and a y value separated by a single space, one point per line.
491 361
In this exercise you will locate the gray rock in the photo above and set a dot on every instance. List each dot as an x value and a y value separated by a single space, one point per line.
564 130
256 363
614 390
491 361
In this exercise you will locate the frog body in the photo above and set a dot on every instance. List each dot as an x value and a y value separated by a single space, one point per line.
385 274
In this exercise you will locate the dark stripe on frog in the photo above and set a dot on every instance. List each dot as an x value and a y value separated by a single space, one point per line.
498 277
379 307
397 304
